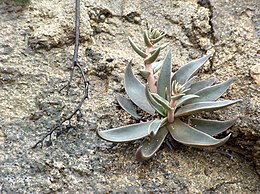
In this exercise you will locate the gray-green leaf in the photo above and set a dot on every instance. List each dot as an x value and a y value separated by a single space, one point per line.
154 127
184 99
146 40
157 39
203 106
201 85
188 70
154 103
150 59
187 135
164 103
145 73
161 47
157 66
148 148
136 49
126 133
190 82
136 90
127 105
164 81
212 127
212 93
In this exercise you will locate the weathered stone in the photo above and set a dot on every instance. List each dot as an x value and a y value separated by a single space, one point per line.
255 73
80 162
238 55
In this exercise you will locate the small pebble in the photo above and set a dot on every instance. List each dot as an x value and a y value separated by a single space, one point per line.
110 59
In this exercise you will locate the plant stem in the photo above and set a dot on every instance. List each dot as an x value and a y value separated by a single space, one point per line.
171 112
148 67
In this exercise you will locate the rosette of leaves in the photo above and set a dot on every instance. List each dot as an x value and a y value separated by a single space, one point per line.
171 99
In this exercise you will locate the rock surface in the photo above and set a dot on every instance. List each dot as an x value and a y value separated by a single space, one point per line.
36 47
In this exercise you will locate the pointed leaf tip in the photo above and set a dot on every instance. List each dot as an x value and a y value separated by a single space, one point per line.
164 81
147 40
150 59
136 48
212 127
126 133
148 148
212 93
188 135
127 105
203 106
188 70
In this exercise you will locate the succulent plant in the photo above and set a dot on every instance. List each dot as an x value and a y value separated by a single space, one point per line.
171 99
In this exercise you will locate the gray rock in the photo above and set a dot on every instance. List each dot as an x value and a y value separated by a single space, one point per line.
41 38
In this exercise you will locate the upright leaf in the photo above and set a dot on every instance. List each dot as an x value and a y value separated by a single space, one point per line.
188 70
147 40
136 49
154 103
165 104
157 39
203 106
127 105
148 148
136 90
150 59
212 127
126 133
164 81
212 93
157 66
187 135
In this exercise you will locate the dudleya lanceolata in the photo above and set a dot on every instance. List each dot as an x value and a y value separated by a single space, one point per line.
174 96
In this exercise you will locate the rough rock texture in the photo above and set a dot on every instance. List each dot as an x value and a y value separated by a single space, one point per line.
36 46
239 56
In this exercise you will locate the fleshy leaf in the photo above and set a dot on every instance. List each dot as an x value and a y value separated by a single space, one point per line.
185 98
146 40
188 135
178 96
157 66
154 127
127 105
126 133
189 82
148 148
154 103
136 90
188 70
203 106
201 85
212 127
212 93
145 73
164 81
161 47
157 39
150 59
162 101
136 49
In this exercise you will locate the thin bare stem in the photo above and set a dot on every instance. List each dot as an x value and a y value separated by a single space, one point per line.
74 64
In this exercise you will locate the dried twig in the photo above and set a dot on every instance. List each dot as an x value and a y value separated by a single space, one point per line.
75 63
